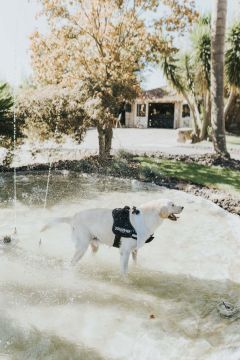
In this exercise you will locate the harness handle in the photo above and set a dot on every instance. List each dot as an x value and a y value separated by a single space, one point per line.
135 210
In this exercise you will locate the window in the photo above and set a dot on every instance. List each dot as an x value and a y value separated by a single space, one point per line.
141 110
185 111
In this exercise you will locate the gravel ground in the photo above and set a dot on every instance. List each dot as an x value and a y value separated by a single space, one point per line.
152 141
137 141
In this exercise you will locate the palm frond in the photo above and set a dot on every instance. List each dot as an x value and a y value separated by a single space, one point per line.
201 45
172 72
232 57
189 72
205 19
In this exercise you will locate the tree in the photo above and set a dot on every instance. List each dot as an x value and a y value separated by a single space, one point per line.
201 70
6 103
217 76
52 111
102 45
189 74
232 67
7 123
174 74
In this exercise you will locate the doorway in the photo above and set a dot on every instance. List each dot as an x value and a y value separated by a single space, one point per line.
161 115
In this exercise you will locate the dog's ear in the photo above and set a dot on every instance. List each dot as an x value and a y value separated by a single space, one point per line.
164 212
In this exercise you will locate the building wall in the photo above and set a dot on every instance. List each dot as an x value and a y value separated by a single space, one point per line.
129 118
186 122
140 121
134 121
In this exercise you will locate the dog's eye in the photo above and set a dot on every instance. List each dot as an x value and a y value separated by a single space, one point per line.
172 205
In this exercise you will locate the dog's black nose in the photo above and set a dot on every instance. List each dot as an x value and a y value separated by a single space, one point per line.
182 207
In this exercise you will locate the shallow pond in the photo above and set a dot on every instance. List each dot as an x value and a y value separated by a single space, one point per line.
166 309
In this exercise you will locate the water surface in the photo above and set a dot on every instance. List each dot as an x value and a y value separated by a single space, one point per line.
165 310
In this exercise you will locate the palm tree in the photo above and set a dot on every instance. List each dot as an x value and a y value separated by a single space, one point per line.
189 74
175 73
232 66
217 76
201 58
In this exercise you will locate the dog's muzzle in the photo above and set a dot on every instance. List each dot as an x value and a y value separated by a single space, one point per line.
172 217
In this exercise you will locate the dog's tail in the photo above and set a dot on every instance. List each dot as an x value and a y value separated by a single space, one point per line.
60 220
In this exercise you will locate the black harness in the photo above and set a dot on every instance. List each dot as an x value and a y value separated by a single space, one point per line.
122 226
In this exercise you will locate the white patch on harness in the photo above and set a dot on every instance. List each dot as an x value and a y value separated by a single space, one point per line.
126 231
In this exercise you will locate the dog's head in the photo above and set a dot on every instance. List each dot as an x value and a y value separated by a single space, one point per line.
169 210
165 208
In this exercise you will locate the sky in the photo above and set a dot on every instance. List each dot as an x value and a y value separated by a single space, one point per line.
18 21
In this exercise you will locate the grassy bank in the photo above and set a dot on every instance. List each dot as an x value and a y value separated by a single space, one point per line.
214 177
163 170
160 170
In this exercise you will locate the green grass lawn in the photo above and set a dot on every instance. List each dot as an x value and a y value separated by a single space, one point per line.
214 176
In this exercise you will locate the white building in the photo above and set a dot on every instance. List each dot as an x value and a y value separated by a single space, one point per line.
158 108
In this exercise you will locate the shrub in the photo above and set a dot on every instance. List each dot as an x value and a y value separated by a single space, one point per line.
50 107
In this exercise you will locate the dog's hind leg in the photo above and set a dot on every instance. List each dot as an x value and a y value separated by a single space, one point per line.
81 238
81 242
79 254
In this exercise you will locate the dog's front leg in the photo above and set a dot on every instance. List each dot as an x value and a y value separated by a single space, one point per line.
124 258
134 256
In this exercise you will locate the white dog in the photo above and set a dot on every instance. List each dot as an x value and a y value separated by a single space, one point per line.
94 227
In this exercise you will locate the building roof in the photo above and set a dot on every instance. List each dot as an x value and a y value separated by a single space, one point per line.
163 94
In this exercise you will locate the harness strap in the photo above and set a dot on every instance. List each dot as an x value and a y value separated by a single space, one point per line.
117 241
149 239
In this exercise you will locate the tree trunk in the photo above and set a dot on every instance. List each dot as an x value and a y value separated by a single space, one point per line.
217 76
206 117
197 113
195 122
105 142
230 100
108 141
101 143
